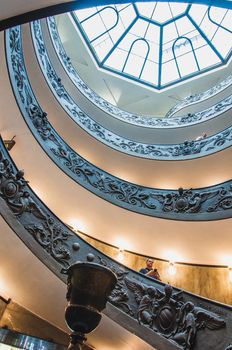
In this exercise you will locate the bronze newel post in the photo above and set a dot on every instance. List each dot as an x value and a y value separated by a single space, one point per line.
89 286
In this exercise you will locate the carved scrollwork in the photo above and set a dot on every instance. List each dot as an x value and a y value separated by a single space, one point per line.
145 200
145 121
192 99
162 310
167 313
185 200
151 151
52 238
224 200
50 235
119 296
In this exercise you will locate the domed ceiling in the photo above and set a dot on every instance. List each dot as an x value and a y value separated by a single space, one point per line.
158 44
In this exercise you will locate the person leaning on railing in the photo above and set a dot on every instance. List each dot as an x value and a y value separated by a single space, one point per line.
149 270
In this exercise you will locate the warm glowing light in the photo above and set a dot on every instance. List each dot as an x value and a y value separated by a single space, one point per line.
227 260
172 256
3 289
171 268
230 273
77 224
122 244
120 256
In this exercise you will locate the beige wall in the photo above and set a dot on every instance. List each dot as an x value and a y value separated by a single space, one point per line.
210 282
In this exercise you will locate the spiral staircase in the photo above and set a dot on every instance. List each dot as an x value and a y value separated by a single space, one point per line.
135 176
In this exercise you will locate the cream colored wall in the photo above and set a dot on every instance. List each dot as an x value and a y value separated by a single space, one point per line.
209 282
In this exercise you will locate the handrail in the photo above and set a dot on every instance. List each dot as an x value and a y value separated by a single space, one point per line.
145 121
165 317
209 203
200 97
188 150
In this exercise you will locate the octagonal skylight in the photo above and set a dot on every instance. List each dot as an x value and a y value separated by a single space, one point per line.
157 43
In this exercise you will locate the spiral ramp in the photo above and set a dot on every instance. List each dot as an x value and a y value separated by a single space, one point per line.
135 211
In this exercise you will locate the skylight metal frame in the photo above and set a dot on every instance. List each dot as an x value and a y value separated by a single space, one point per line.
160 85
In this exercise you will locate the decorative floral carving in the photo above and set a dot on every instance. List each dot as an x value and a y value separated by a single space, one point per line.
224 200
167 313
141 199
192 99
159 308
49 234
52 237
119 296
190 320
184 200
145 121
152 151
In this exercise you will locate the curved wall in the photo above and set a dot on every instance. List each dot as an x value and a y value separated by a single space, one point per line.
82 60
121 143
214 169
58 248
87 210
197 279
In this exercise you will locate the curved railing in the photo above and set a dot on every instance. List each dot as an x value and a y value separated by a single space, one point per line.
163 316
145 121
199 204
200 97
150 151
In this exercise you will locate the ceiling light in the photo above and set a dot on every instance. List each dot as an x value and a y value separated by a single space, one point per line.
230 273
171 268
120 256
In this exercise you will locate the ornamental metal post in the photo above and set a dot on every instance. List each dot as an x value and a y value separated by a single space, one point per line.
88 288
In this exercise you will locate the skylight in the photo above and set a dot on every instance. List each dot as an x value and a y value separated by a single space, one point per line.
157 43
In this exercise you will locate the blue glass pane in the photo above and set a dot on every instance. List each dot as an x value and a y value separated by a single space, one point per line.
179 37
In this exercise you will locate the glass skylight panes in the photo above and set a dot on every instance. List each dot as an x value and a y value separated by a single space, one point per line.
150 72
187 64
162 13
134 62
181 46
100 22
204 54
117 59
127 38
146 9
169 72
217 15
126 15
184 26
178 9
83 14
198 12
222 46
227 23
139 28
154 50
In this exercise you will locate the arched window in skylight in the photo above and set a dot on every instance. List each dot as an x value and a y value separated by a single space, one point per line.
185 57
136 57
98 23
157 43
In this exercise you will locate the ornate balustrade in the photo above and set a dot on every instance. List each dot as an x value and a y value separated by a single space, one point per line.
205 95
186 150
182 204
145 121
163 316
